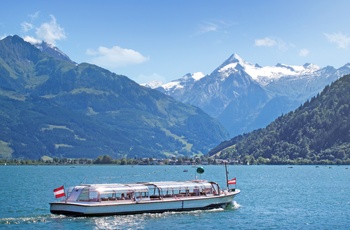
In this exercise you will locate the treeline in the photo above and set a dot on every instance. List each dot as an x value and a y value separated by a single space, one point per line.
54 161
318 132
106 159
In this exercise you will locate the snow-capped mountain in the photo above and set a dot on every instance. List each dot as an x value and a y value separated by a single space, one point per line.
245 96
181 86
267 74
153 84
53 51
49 49
184 82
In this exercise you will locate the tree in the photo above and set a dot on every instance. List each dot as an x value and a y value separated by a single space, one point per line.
106 159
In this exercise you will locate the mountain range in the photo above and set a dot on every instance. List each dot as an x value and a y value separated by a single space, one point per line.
52 106
245 96
317 132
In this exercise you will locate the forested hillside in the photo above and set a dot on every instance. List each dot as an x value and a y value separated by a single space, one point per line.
52 106
317 132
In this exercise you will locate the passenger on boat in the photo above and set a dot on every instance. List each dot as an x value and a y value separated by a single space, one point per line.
130 196
196 192
123 197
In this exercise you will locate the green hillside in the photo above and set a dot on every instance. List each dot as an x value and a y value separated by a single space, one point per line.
317 132
55 107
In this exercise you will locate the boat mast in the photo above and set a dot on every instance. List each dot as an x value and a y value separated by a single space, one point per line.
225 162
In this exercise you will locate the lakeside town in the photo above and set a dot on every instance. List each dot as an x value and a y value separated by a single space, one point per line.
106 159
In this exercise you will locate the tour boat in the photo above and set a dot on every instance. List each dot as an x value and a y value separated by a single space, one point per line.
142 197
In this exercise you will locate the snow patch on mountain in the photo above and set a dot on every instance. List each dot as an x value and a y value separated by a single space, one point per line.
198 75
245 96
153 84
48 48
267 74
173 85
188 79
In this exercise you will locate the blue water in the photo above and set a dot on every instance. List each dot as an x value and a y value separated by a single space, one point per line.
272 197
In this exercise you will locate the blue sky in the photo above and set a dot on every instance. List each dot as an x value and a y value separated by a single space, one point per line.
164 40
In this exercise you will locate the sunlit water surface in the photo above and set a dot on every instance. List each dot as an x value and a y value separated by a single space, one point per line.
272 197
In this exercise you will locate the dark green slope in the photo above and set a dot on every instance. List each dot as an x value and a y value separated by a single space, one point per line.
317 132
51 106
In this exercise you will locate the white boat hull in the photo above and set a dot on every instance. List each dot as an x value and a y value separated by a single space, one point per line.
147 206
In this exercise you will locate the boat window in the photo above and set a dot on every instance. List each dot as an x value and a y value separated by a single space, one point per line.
215 188
93 196
150 190
187 188
69 191
88 195
155 191
167 192
84 195
141 195
105 196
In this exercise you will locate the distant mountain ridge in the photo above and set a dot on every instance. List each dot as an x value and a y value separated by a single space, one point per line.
52 51
245 96
53 106
318 132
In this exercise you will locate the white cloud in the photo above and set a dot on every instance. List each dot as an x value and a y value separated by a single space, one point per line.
26 26
50 31
115 57
265 42
34 16
340 39
214 26
208 27
271 42
31 40
304 52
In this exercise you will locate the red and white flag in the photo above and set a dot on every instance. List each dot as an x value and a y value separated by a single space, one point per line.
232 181
59 192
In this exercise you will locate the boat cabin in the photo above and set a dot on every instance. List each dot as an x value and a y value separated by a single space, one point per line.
141 191
160 190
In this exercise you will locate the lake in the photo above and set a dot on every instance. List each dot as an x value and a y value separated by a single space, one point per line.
272 197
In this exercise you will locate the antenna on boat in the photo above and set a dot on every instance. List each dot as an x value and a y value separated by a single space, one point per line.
83 180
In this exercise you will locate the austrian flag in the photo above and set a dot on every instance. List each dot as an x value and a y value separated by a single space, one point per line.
59 192
232 181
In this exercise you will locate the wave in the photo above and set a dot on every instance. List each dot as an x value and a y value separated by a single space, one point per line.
140 221
234 205
27 219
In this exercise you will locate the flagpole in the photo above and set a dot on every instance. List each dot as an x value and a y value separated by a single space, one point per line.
226 174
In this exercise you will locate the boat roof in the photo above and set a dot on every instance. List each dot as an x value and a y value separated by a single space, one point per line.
143 186
115 187
180 184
